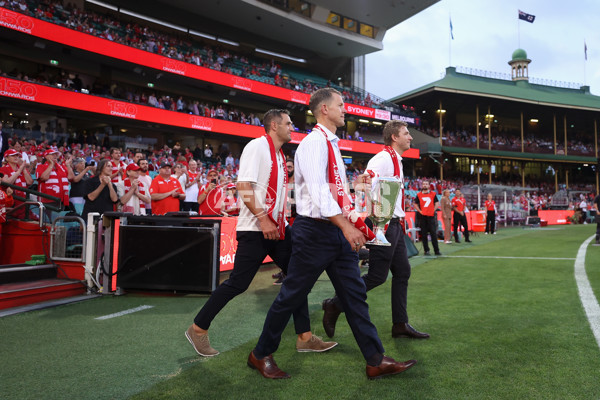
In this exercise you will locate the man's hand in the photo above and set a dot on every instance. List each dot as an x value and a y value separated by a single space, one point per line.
354 237
268 228
362 183
351 233
174 193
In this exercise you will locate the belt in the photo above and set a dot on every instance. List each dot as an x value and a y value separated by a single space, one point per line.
323 221
397 219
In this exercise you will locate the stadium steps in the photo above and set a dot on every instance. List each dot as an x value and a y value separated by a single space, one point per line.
23 285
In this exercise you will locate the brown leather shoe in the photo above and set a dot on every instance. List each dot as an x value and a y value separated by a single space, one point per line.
267 367
407 331
388 366
330 316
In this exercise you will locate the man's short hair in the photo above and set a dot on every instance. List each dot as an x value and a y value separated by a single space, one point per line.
273 115
113 149
390 129
319 97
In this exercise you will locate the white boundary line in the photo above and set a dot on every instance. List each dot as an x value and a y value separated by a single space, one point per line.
509 257
125 312
586 294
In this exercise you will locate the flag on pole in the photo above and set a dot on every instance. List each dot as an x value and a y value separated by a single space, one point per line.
526 17
451 29
585 49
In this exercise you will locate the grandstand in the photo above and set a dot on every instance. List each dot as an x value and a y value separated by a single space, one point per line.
496 128
172 50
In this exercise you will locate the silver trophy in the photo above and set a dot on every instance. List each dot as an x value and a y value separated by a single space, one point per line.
381 203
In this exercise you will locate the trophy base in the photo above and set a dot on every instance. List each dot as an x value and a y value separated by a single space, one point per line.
379 240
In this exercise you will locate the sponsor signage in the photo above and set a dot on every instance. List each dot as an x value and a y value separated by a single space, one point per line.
409 120
46 30
85 102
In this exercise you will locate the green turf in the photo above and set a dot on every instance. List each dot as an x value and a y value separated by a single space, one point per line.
501 329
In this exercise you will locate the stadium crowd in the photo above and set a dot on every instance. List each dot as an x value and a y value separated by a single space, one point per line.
182 48
195 169
511 141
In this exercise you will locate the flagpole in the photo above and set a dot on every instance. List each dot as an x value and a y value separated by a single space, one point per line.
584 62
450 41
518 33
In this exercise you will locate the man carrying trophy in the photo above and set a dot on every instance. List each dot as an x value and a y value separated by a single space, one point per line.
382 258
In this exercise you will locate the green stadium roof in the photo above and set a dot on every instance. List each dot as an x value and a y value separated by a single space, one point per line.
517 155
520 91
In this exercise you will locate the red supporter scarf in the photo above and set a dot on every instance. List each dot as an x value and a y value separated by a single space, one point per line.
271 198
338 192
396 163
127 184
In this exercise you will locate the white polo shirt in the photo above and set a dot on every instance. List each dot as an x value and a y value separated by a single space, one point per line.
255 167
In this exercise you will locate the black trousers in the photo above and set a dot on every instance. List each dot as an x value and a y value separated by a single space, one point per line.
382 260
460 220
428 224
490 221
251 252
318 247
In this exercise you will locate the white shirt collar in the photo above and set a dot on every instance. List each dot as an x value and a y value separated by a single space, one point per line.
330 135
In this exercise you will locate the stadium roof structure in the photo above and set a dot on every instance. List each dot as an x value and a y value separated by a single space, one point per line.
262 22
519 91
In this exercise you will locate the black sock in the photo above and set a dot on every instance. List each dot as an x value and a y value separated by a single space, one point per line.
375 359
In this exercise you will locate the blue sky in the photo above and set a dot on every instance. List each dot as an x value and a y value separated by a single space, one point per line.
417 51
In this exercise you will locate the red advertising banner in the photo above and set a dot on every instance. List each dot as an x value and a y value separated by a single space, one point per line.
56 33
78 101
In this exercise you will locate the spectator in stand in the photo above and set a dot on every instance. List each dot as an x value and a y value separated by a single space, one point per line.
6 199
229 160
459 205
446 206
118 166
16 173
165 191
192 187
81 173
146 180
210 195
4 137
132 192
181 175
230 206
490 220
53 178
208 153
426 203
137 157
99 192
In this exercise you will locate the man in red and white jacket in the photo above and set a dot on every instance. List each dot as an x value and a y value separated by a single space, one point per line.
16 173
118 166
54 177
132 192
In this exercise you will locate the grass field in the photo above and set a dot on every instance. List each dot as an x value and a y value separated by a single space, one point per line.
501 328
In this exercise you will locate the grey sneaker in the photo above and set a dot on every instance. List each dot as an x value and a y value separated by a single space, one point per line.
200 342
315 344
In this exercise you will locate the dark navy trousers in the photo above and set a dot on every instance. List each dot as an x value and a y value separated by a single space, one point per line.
382 260
251 252
316 247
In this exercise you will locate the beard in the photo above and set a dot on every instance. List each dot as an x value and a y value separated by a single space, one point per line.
290 174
